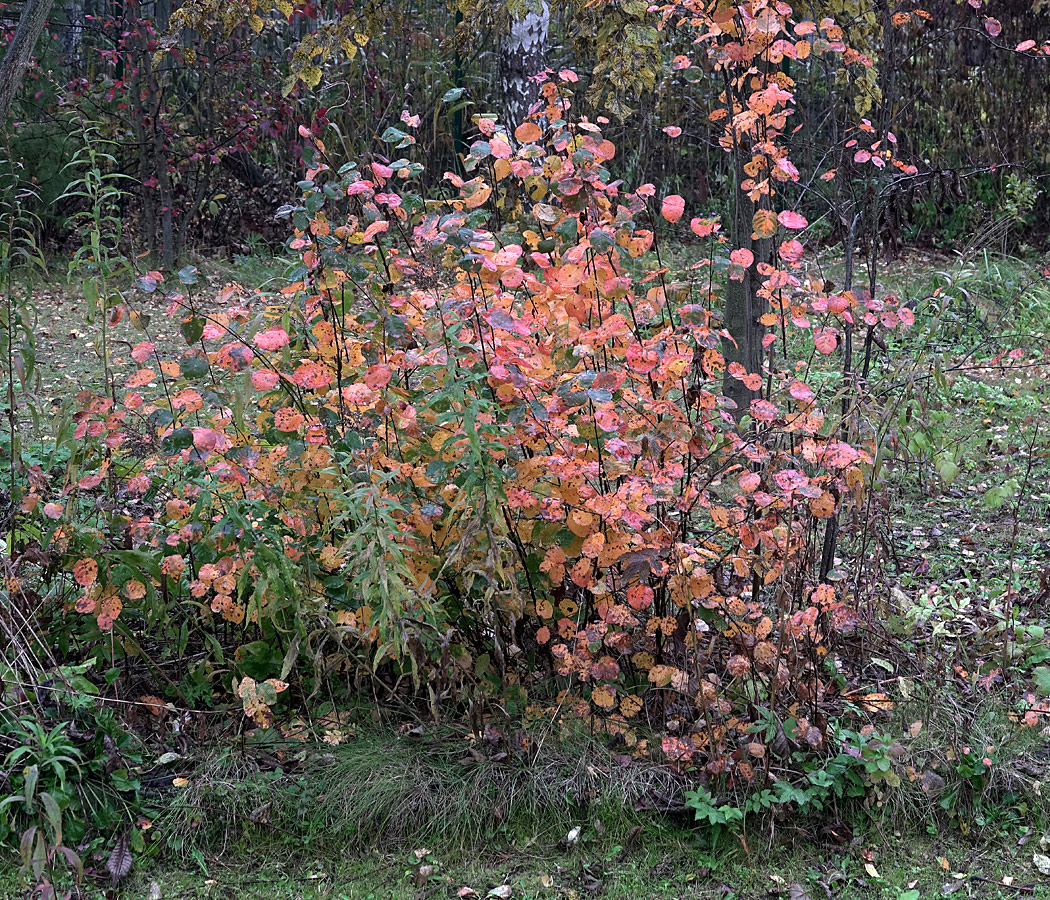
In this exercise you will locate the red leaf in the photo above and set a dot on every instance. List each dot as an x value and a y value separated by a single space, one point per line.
704 227
826 339
378 376
742 257
640 596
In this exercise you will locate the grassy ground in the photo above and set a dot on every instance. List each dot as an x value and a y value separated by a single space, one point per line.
68 355
660 864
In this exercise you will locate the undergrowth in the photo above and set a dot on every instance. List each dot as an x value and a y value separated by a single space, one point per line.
933 759
438 787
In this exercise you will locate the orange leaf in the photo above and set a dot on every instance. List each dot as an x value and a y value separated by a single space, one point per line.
672 208
288 419
85 572
528 132
764 223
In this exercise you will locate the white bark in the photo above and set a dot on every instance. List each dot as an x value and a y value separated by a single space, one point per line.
523 55
73 36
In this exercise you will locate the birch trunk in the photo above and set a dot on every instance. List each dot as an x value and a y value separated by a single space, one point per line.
73 36
523 55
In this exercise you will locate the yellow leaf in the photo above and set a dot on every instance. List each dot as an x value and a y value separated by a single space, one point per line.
502 169
877 702
256 23
630 706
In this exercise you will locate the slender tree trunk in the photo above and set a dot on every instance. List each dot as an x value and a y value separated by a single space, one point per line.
72 38
523 55
739 313
16 60
160 164
139 96
744 306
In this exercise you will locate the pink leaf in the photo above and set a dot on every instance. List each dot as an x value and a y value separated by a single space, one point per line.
264 380
273 339
791 219
750 482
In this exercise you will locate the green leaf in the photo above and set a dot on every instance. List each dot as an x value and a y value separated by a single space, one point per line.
193 365
53 813
392 135
179 439
192 329
1041 677
32 776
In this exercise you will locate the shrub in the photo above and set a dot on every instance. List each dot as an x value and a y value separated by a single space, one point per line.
480 447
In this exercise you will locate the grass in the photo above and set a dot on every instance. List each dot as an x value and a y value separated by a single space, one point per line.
441 788
66 342
364 819
661 864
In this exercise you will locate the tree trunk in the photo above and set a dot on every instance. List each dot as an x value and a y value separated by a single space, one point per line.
523 55
744 305
72 37
16 60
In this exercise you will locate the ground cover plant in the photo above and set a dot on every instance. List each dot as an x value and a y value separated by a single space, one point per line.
526 507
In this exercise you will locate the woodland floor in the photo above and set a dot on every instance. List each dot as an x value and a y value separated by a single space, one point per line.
666 866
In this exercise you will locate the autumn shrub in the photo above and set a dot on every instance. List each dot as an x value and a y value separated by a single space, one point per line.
479 452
